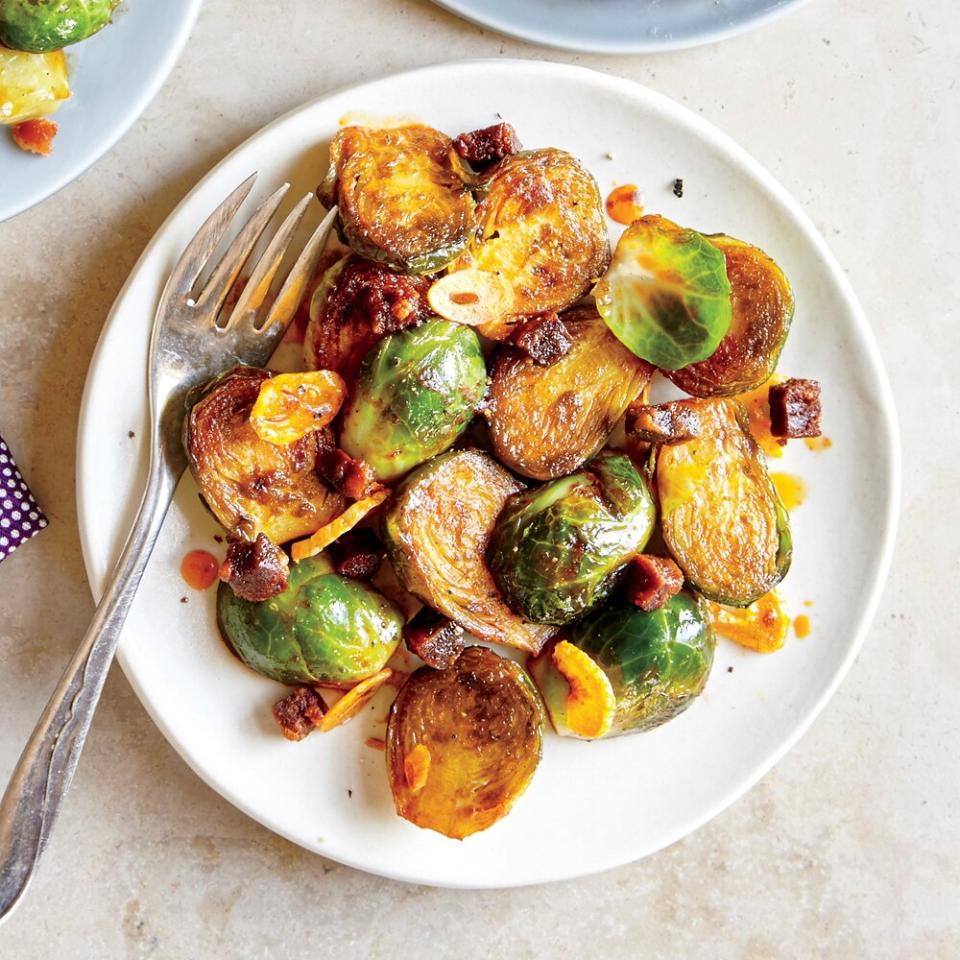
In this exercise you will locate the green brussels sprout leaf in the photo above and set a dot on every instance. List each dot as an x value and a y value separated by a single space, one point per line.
666 295
657 662
323 628
557 550
418 390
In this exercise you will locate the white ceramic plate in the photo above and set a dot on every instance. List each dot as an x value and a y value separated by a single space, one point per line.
114 75
620 26
634 794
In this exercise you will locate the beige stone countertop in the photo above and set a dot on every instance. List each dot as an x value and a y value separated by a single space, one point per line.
849 848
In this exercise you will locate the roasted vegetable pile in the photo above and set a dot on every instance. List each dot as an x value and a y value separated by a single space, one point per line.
472 456
33 69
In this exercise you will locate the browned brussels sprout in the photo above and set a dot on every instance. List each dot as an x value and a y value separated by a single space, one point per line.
542 228
463 743
250 485
762 305
437 533
355 305
402 196
720 514
547 421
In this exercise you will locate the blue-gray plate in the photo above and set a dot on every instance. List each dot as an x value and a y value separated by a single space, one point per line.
619 26
113 76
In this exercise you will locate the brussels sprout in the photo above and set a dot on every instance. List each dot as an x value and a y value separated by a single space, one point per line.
547 421
556 551
402 196
252 486
31 85
323 628
463 743
416 394
542 228
666 295
41 26
720 514
437 532
657 662
762 304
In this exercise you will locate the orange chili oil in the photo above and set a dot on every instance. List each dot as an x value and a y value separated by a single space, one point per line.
801 626
199 569
625 204
758 410
818 443
762 626
792 489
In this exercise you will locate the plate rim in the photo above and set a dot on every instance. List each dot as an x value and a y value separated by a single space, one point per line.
893 466
467 10
158 78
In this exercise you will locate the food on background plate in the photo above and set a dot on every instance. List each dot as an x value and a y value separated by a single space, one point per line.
474 456
33 69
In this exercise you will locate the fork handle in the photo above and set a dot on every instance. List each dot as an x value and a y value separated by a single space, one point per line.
43 774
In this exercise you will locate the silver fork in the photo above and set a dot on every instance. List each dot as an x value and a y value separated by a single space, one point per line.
188 346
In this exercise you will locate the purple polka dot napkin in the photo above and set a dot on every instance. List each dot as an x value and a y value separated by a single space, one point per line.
20 516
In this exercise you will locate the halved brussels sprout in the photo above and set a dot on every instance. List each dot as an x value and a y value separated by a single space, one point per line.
354 306
402 195
556 551
666 295
31 85
547 421
720 514
762 304
437 534
41 26
323 628
250 485
542 228
416 394
463 743
657 662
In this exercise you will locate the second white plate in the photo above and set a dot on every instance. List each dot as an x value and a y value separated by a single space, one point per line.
591 805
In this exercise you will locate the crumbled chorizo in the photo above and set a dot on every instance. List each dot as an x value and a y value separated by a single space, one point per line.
357 554
256 570
674 422
352 477
795 408
487 146
544 339
651 581
437 641
299 713
366 303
